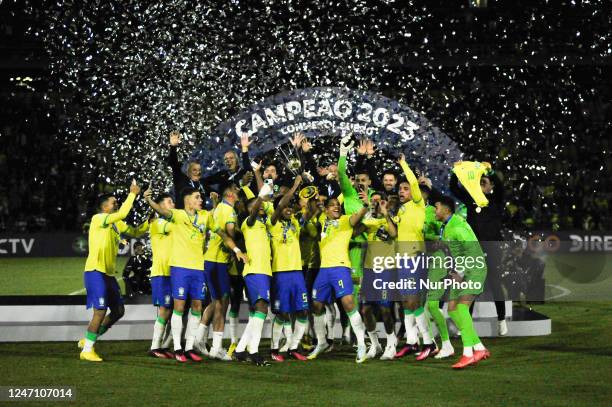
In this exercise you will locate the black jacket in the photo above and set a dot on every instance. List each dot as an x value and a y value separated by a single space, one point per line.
487 223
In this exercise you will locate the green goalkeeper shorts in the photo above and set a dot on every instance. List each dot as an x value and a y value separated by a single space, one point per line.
476 277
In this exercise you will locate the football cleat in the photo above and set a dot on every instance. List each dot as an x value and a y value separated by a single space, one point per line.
320 348
445 352
90 356
307 343
190 354
294 354
330 347
201 347
361 354
481 354
276 356
374 351
240 356
406 350
81 343
502 327
389 353
464 362
231 349
169 353
427 351
258 360
179 355
220 354
158 353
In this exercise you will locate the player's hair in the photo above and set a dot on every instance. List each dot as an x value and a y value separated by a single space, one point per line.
188 191
139 243
191 164
329 200
162 196
382 195
102 198
230 188
402 180
360 171
390 172
447 201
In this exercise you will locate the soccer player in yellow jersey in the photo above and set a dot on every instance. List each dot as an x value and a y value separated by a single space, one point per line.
411 245
381 233
257 275
289 294
335 275
216 263
105 231
186 265
161 288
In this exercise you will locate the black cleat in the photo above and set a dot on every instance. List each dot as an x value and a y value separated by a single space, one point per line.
258 360
240 356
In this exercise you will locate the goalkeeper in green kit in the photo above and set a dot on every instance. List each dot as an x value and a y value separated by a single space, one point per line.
352 203
468 279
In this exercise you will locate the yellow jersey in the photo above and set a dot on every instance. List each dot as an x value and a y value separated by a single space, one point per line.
223 215
376 246
410 218
105 230
334 245
257 244
285 236
161 246
309 246
188 237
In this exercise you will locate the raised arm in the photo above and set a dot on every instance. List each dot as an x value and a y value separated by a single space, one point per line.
125 208
391 227
139 230
415 191
285 200
175 140
161 211
357 216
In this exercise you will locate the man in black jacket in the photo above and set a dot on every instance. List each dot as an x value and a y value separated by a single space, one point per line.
486 222
232 174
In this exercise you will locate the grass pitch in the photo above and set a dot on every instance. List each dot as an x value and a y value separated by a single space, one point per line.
570 367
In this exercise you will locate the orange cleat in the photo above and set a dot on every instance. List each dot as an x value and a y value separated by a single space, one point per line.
464 362
481 354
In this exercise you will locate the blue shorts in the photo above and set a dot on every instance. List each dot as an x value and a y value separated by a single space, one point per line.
102 290
416 273
258 287
187 282
289 292
332 283
217 279
161 290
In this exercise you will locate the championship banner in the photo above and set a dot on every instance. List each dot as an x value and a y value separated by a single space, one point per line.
329 113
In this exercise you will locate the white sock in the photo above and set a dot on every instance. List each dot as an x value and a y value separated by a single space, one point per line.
307 328
391 339
447 345
217 340
288 330
177 329
479 346
300 328
167 341
277 333
233 328
358 327
158 331
411 330
319 328
201 336
246 336
467 351
329 321
89 344
256 328
422 323
374 338
193 323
